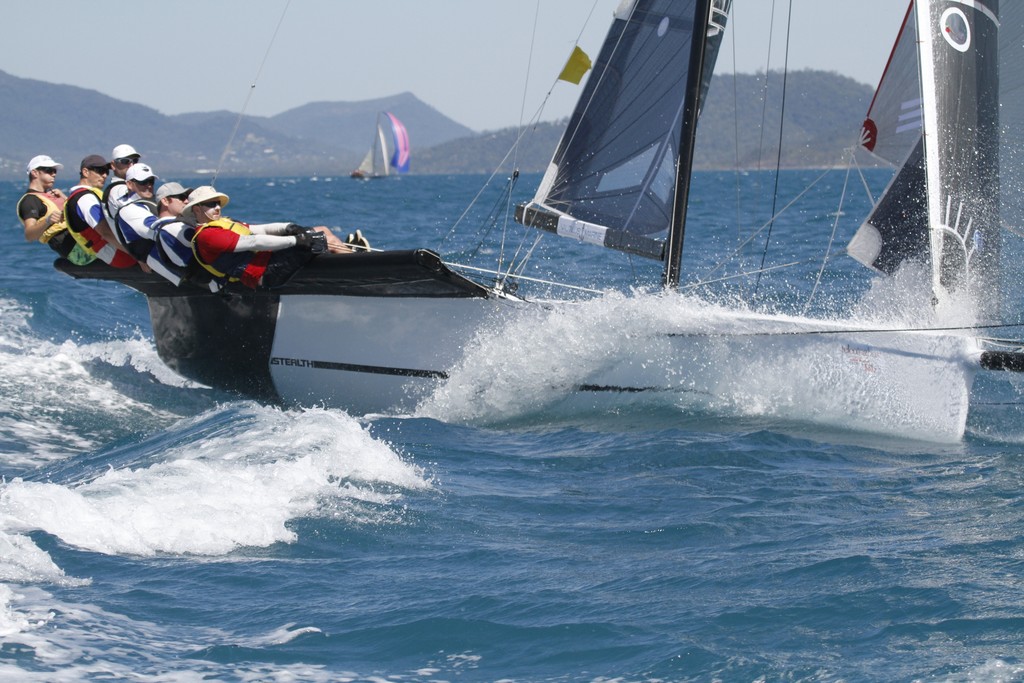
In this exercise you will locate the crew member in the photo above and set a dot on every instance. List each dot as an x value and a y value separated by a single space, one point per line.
262 256
174 238
85 219
133 221
41 208
123 157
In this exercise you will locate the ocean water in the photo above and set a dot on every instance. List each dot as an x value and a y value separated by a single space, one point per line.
156 530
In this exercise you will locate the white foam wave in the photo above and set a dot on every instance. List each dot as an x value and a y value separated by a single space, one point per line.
688 355
54 403
14 620
236 478
137 352
234 488
74 642
280 636
21 561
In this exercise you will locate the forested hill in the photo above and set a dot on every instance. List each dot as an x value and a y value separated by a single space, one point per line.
738 128
740 124
823 112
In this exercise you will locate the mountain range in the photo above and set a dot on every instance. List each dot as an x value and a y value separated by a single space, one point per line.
822 116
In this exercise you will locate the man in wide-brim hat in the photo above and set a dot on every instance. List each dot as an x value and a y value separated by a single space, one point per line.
264 255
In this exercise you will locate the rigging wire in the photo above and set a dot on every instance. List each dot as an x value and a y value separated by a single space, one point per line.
764 90
832 237
736 128
248 97
782 125
765 225
512 154
515 149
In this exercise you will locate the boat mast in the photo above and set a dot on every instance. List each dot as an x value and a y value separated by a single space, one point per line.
959 63
931 148
687 140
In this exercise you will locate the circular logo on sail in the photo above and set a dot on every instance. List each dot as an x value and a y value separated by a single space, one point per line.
955 29
869 134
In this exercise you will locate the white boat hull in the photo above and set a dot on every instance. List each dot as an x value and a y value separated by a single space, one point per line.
687 357
403 334
371 355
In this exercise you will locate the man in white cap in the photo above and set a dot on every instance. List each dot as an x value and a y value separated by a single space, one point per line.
264 255
122 158
41 208
133 221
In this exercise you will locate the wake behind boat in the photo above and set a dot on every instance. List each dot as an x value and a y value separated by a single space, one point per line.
393 331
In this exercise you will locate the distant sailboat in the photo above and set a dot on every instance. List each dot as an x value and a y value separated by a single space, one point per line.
384 159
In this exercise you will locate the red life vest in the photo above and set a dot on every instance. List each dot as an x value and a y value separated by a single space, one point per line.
233 266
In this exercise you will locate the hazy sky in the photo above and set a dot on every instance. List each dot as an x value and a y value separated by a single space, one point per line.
472 60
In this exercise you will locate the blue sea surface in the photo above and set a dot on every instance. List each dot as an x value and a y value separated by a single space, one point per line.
155 530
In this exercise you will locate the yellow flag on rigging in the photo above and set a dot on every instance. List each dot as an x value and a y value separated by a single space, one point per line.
578 64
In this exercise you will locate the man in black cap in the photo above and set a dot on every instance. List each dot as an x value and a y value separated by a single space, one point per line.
83 212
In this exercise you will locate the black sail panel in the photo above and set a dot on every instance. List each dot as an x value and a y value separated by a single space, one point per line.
896 231
613 175
962 146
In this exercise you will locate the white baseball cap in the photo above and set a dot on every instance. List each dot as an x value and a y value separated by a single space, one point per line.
140 172
43 161
123 152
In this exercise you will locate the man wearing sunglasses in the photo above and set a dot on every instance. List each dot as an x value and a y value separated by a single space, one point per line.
134 220
123 158
258 256
174 238
41 208
85 218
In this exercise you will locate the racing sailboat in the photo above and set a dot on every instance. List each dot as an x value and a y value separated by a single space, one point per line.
389 152
620 179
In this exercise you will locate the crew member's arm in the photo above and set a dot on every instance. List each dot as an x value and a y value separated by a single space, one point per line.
32 212
35 227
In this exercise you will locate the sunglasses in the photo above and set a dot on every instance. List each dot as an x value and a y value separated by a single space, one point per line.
212 204
145 183
49 170
125 161
102 170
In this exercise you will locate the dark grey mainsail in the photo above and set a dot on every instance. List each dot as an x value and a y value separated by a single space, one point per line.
613 178
960 84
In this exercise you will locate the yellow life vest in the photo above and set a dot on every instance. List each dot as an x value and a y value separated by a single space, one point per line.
81 239
51 208
225 224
